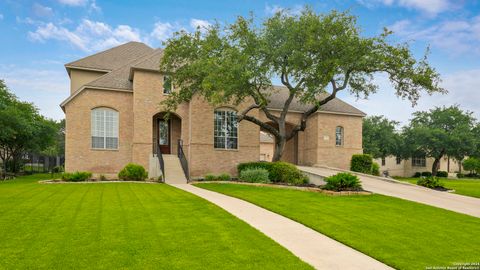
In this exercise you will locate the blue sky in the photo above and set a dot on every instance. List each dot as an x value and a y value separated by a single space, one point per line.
39 37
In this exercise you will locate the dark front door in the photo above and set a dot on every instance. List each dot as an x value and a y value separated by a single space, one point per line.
164 135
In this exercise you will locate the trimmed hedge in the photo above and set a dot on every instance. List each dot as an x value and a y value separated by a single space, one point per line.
375 169
417 174
343 182
361 163
221 177
76 176
426 174
278 171
430 182
133 172
442 174
254 175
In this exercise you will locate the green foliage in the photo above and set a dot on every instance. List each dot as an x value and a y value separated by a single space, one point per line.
287 173
361 163
442 174
254 175
471 164
426 174
57 169
250 165
221 177
440 131
380 138
417 174
343 182
102 177
430 182
375 169
76 176
460 175
133 172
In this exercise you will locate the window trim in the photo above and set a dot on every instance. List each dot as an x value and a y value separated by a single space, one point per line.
104 109
423 162
342 139
226 109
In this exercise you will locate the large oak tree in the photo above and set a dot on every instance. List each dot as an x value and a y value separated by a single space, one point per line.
380 137
315 56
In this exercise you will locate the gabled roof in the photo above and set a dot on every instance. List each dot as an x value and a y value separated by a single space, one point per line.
280 94
113 58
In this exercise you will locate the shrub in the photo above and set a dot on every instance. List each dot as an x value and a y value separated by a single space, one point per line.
102 177
254 165
57 169
210 177
460 175
375 169
442 174
133 172
426 174
343 181
430 182
471 164
287 173
224 177
361 163
254 175
417 174
76 176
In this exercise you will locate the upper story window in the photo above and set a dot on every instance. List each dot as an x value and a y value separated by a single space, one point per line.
225 129
339 136
419 161
167 85
104 128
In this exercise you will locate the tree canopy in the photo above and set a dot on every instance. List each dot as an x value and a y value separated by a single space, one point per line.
315 56
380 138
440 131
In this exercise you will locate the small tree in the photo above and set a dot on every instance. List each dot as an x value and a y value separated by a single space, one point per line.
380 138
439 132
314 56
471 164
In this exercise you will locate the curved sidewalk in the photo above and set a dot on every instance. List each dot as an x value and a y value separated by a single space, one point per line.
311 246
454 202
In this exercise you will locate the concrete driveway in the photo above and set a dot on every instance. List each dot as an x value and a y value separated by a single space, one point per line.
458 203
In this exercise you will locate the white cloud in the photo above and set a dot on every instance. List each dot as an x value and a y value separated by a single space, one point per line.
162 31
429 7
88 35
462 87
42 11
202 24
271 10
94 6
73 2
455 36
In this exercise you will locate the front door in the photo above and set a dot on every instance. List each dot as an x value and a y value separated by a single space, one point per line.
164 135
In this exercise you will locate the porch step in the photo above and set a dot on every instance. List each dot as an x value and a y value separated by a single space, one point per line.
173 170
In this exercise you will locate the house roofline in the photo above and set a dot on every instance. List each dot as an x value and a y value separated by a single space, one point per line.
71 97
69 67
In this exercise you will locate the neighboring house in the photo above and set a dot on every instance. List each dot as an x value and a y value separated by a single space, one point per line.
407 168
113 117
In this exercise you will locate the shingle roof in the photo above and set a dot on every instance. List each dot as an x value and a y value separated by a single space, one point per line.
113 58
280 94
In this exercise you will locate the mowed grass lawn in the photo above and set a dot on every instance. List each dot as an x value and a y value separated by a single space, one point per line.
400 233
467 187
126 226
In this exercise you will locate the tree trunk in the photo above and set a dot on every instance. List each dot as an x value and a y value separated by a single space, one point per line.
278 150
436 166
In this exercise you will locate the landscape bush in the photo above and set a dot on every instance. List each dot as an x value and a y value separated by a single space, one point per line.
430 182
343 182
255 175
472 165
133 172
102 177
361 163
375 169
57 169
417 174
76 176
460 175
221 177
442 174
426 174
278 171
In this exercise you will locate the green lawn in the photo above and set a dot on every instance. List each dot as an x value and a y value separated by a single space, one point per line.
403 234
467 187
125 226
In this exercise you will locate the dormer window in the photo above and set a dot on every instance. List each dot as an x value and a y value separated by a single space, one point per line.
167 85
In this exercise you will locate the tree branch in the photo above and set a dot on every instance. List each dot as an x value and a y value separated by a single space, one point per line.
269 128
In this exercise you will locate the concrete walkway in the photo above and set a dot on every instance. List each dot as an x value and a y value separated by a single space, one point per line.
312 247
458 203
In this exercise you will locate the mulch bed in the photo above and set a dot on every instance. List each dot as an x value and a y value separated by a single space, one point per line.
309 187
58 181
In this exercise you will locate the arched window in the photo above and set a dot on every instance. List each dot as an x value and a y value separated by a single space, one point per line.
104 128
339 136
225 129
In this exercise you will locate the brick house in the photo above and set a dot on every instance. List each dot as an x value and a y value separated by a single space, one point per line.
113 117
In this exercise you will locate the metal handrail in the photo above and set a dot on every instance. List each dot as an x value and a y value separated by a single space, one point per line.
160 158
183 159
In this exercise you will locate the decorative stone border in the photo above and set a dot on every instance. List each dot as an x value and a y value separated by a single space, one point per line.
57 181
311 189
